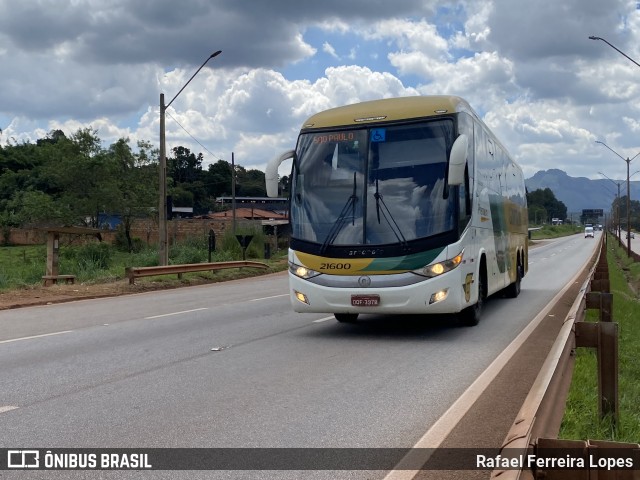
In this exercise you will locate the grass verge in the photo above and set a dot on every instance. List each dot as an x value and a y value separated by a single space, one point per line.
99 263
555 231
581 420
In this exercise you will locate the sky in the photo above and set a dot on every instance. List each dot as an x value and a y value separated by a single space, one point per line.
528 69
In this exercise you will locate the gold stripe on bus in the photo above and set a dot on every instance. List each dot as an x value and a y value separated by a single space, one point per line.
336 266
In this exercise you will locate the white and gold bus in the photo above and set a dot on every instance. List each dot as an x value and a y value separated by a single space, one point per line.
402 206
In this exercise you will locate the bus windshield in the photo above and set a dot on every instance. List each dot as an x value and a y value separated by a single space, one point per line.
374 186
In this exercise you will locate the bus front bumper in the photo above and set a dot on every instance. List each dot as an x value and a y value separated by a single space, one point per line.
438 295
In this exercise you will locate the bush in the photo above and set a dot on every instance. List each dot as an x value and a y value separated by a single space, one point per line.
147 257
121 243
92 256
192 250
256 247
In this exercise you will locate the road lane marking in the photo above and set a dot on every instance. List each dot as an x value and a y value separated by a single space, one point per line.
176 313
35 336
325 319
440 430
267 298
7 408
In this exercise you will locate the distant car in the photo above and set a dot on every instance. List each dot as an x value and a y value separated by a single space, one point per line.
632 235
588 232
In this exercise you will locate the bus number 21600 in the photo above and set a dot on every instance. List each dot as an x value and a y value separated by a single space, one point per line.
335 266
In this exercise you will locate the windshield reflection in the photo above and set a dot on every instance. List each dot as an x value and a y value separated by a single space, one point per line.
372 186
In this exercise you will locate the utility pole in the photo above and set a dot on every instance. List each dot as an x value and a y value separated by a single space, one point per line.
233 191
163 234
628 160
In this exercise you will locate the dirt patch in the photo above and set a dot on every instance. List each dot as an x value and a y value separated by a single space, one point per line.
40 295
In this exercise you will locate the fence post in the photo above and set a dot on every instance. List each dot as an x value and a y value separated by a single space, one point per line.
608 370
601 301
603 336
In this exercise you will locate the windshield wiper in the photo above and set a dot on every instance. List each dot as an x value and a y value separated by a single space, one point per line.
387 216
340 221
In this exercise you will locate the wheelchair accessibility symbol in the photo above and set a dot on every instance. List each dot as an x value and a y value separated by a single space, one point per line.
378 135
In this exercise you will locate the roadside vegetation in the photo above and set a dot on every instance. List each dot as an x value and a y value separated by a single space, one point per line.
64 181
555 231
544 206
93 263
581 420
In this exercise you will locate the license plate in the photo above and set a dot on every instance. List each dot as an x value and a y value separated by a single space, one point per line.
365 300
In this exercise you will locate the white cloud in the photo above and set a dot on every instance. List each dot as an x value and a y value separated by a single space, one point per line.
528 68
413 36
328 48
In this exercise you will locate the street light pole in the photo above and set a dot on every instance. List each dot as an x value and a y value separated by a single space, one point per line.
163 234
617 202
628 160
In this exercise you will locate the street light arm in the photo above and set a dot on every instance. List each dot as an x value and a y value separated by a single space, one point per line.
214 54
602 143
615 48
617 183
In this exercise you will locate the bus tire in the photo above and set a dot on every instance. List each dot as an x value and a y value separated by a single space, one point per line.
513 290
470 316
346 317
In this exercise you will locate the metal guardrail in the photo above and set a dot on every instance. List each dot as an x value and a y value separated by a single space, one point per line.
134 272
537 424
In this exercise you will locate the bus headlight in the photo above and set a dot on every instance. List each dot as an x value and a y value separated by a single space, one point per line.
439 268
302 272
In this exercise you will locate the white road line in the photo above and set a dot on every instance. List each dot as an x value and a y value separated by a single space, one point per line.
35 336
325 319
267 298
432 439
176 313
7 408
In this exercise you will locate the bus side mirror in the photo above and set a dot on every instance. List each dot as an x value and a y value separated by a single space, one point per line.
458 160
271 172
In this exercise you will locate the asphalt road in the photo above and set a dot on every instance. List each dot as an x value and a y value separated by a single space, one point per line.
230 365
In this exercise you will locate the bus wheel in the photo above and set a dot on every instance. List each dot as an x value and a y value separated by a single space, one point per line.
346 317
513 290
470 316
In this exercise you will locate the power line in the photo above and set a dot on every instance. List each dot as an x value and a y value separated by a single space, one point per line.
194 138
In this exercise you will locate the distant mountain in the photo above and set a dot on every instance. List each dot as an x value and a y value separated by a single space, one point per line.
579 193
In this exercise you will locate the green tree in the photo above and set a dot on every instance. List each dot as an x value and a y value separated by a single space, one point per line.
250 183
184 166
544 200
135 188
634 211
81 176
189 181
217 180
70 181
35 208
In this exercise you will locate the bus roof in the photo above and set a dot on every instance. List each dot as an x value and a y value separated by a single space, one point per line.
388 109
